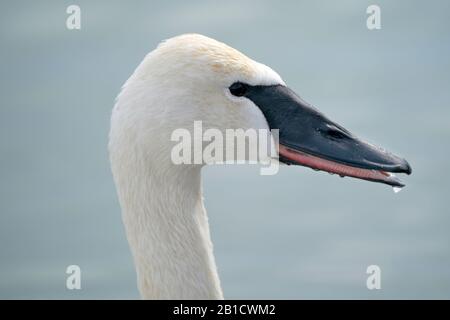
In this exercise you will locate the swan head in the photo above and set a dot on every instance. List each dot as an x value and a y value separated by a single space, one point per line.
192 77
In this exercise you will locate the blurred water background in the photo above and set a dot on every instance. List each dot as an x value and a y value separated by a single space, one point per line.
298 234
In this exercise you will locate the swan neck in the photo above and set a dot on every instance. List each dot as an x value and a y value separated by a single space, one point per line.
168 231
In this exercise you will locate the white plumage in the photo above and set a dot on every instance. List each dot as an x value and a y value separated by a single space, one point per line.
185 79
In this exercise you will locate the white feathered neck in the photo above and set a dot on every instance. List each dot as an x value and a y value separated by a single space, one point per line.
185 79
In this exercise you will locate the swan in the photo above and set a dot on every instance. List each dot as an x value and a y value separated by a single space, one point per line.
192 77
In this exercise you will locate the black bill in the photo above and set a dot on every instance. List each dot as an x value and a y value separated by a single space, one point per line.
309 138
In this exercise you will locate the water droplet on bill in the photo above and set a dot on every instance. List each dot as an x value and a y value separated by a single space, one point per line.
397 189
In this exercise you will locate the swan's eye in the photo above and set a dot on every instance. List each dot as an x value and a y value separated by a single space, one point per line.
238 89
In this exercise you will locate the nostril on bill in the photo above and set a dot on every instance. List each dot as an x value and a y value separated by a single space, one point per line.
333 133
